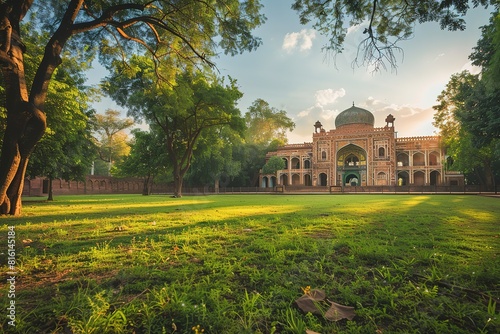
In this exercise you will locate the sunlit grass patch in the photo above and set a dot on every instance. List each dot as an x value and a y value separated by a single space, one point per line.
236 263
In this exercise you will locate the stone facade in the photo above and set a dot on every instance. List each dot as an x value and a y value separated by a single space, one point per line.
356 153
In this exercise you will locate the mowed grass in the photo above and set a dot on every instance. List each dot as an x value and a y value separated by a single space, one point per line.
237 263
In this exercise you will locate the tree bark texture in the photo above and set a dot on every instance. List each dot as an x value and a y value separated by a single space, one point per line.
178 178
26 121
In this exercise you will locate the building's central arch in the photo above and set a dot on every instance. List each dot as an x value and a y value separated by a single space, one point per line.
351 165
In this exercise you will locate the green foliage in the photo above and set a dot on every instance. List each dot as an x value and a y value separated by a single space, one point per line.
147 159
266 129
174 34
273 165
111 137
252 158
214 160
97 317
237 263
66 150
468 110
388 23
181 114
265 124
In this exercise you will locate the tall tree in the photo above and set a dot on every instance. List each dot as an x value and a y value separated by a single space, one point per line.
468 112
176 31
112 140
196 102
266 123
387 23
147 159
214 162
482 117
267 127
468 153
66 149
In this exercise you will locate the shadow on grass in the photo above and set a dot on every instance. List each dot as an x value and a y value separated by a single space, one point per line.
377 253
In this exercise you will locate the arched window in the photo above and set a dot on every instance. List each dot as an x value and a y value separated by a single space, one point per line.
323 179
323 155
403 159
418 159
433 158
381 152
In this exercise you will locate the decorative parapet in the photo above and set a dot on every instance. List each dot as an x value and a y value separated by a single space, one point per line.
418 138
418 143
354 129
295 146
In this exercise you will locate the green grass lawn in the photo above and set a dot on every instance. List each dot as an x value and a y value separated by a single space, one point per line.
237 263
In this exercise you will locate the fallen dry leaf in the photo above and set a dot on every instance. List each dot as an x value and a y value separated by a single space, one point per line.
338 312
310 302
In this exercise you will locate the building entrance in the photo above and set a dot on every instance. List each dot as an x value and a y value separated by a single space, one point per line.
352 179
351 161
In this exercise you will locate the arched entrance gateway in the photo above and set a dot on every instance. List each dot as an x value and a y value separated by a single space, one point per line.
403 178
351 164
352 179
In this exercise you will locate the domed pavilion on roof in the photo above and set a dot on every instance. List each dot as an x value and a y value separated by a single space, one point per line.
354 116
356 153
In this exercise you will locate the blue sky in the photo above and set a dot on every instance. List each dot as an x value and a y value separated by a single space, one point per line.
292 73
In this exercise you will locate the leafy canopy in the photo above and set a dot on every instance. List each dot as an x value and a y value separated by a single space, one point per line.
265 124
273 165
468 111
174 33
387 22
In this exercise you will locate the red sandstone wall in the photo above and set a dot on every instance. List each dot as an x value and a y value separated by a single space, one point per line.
92 185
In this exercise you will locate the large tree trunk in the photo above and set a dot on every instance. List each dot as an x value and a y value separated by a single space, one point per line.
25 122
180 164
178 178
50 196
25 127
147 185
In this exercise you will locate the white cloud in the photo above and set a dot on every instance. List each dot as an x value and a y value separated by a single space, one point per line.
372 102
290 41
404 110
304 113
355 28
303 40
314 113
328 96
471 68
329 114
410 120
323 98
